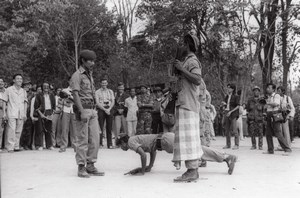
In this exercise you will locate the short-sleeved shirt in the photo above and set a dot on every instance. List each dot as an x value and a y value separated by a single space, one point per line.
188 92
145 99
16 100
131 104
146 142
105 96
274 98
82 81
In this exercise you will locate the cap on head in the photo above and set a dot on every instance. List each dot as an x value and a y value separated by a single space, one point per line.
144 86
87 55
256 88
157 89
27 82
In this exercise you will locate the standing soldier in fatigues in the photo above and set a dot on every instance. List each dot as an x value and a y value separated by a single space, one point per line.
255 118
145 104
87 127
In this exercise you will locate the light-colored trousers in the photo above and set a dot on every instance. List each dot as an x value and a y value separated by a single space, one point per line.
1 128
239 123
13 133
131 128
286 132
67 125
120 121
87 137
56 128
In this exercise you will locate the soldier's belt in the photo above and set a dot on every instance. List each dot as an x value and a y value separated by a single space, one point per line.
273 112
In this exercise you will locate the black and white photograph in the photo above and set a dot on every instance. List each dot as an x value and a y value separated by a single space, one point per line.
149 98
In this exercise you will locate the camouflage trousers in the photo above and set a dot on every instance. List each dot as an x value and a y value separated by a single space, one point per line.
144 123
255 129
205 132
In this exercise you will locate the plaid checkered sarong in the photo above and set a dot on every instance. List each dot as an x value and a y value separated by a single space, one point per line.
187 144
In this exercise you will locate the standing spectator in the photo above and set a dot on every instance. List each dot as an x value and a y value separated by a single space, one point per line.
274 127
255 118
56 120
34 115
231 115
145 104
2 91
157 125
213 114
28 129
244 120
297 121
221 119
67 121
187 144
44 105
105 101
205 119
167 112
239 123
288 108
120 120
87 127
15 98
132 109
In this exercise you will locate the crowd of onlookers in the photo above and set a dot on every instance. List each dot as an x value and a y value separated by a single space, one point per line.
38 117
270 114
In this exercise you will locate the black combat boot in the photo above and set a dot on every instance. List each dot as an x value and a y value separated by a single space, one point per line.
82 171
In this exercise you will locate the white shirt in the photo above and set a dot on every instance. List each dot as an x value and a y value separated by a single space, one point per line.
105 95
32 107
274 98
131 104
228 103
16 100
47 102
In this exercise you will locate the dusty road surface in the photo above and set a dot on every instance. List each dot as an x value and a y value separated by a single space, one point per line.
50 174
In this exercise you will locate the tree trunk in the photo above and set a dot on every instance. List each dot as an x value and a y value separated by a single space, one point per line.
284 35
268 11
76 53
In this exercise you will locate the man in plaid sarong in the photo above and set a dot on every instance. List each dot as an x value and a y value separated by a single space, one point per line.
187 145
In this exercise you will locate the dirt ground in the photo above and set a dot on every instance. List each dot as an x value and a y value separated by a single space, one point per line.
43 174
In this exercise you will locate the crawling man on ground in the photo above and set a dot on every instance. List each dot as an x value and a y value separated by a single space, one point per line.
150 143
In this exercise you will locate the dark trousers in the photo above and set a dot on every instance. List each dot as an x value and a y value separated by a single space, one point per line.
27 134
231 128
157 125
291 128
43 127
102 117
275 128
